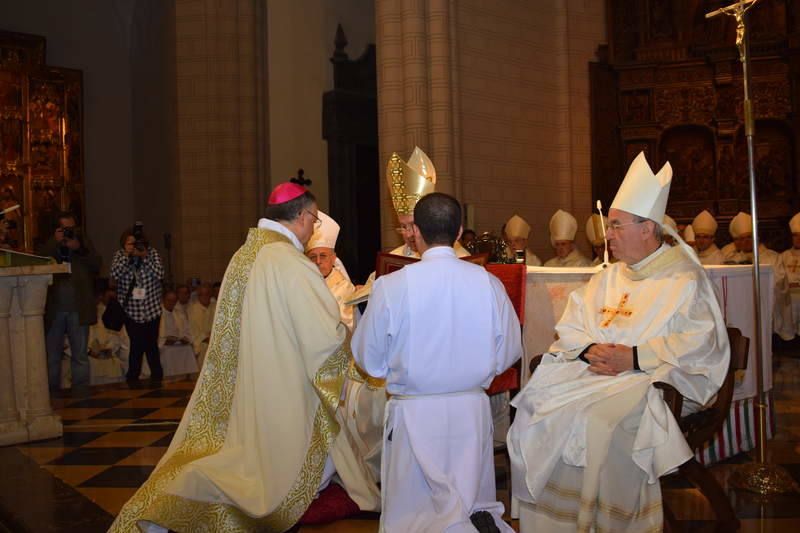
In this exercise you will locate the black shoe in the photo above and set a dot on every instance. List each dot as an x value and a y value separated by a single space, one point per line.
134 383
484 522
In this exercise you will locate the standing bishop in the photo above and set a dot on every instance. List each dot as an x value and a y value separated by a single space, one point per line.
254 444
563 227
592 435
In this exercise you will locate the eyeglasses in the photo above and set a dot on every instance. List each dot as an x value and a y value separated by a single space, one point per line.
615 226
317 221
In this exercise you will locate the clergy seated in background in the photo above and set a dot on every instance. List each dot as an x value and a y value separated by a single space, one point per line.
201 319
596 237
705 231
254 446
791 262
740 252
439 331
321 250
592 435
108 357
688 236
563 227
184 294
174 338
516 232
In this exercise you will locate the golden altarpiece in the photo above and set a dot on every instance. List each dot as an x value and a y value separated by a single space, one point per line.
669 82
41 157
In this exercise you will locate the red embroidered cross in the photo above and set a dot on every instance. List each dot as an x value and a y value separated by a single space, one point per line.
620 310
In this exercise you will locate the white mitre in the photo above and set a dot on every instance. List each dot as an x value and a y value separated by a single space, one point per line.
669 221
325 235
594 229
688 234
643 193
517 228
794 224
741 223
704 223
563 227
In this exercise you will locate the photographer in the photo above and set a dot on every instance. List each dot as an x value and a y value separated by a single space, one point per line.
138 270
70 301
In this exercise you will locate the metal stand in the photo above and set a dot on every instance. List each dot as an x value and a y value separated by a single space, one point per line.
759 477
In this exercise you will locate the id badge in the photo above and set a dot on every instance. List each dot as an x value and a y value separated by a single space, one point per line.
139 293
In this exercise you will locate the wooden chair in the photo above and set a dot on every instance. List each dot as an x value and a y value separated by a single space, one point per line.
699 428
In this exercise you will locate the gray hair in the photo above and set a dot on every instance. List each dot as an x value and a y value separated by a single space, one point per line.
657 230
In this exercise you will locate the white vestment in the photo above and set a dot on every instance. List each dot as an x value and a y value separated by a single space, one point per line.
439 331
342 289
178 357
531 259
201 319
587 450
711 256
782 319
791 262
574 259
105 352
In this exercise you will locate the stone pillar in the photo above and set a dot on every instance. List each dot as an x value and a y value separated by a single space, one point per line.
25 412
10 426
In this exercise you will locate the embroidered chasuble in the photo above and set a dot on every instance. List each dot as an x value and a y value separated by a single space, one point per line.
587 450
250 449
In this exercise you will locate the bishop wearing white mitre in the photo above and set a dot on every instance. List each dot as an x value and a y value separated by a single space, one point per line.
517 231
563 227
592 435
740 252
321 250
705 229
791 261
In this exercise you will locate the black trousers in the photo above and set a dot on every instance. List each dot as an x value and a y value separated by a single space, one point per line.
144 340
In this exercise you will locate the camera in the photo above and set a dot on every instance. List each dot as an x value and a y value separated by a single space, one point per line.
68 232
138 234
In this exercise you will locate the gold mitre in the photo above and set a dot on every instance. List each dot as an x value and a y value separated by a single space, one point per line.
408 182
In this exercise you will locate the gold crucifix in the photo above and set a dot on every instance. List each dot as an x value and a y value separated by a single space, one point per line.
620 310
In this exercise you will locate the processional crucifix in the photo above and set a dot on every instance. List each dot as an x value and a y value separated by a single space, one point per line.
759 476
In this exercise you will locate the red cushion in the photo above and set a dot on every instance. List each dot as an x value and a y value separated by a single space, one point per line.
332 504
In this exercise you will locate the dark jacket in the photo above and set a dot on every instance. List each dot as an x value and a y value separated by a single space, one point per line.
85 264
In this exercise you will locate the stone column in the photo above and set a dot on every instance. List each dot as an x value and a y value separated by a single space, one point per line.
37 413
11 429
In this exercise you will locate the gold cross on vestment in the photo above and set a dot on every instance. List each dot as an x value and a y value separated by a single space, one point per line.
620 310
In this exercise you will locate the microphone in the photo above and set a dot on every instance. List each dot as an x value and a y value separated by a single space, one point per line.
603 225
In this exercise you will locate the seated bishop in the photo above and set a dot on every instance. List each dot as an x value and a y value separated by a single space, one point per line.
563 227
740 252
705 230
592 435
595 234
791 261
321 249
516 232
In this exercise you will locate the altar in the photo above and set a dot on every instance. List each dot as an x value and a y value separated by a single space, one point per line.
548 289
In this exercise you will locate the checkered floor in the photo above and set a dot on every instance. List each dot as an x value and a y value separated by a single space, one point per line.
113 440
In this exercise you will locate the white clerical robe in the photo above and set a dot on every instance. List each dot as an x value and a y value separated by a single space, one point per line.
791 262
782 319
531 259
587 450
105 352
439 331
342 289
574 259
178 357
251 448
201 320
711 256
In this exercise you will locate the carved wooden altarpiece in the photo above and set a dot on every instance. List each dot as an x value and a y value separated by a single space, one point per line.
669 82
41 156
